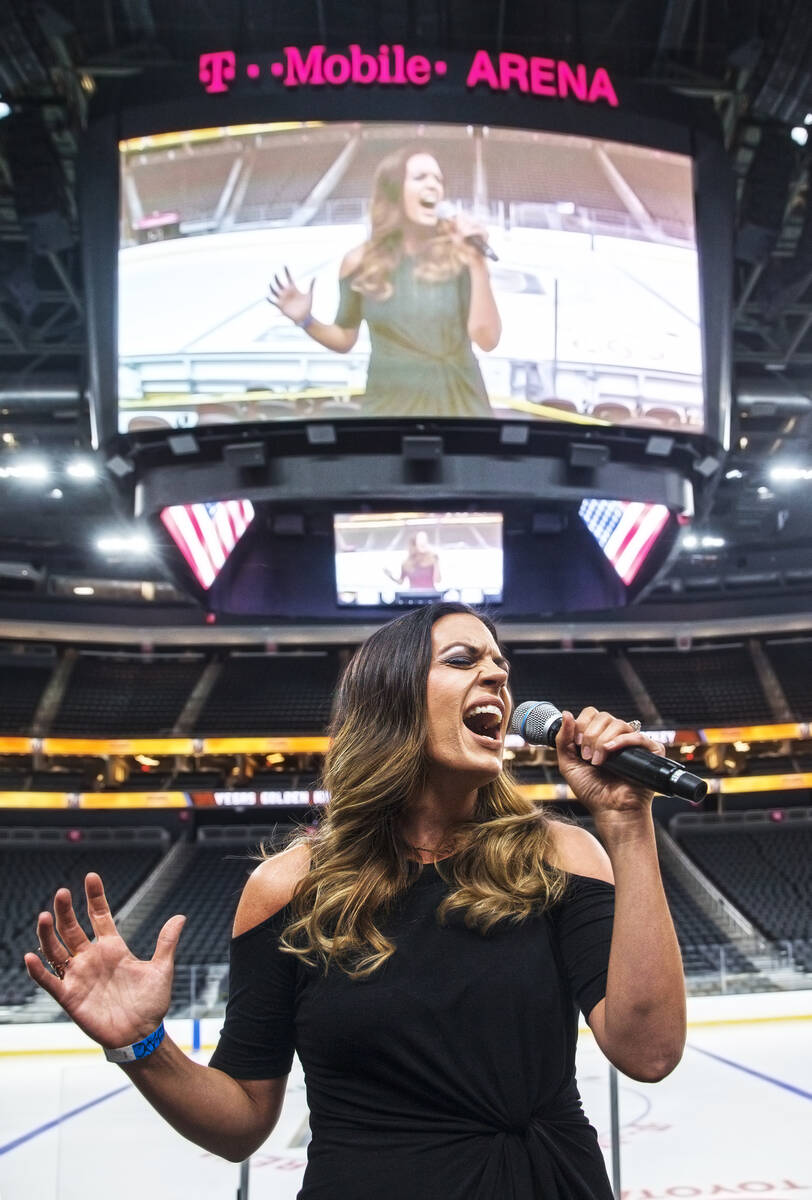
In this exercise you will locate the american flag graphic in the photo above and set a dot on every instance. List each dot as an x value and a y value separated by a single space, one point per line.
206 533
625 530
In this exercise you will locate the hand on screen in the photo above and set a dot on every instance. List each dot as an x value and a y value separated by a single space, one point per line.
285 295
463 226
113 996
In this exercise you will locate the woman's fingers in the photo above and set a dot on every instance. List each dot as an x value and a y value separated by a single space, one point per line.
600 734
67 926
596 734
41 975
634 738
53 950
168 941
601 729
98 910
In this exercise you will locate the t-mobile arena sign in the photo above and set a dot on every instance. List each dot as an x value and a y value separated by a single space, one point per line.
392 65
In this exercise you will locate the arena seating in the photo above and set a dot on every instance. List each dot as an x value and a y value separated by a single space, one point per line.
554 175
660 189
791 659
763 866
456 162
59 781
271 693
282 176
715 685
701 940
190 185
21 688
33 867
570 679
206 892
126 695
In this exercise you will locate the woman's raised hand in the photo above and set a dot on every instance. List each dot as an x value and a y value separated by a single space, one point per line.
116 998
465 226
583 744
285 295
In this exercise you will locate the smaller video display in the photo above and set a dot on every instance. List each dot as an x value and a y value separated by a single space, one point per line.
407 558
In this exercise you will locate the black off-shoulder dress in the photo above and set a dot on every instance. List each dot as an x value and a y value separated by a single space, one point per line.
449 1074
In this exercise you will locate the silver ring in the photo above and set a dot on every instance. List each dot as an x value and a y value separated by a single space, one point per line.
635 725
58 968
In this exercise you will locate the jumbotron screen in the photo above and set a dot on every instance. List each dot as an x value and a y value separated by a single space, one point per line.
356 269
406 558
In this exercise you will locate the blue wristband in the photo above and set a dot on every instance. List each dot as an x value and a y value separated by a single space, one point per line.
137 1050
306 322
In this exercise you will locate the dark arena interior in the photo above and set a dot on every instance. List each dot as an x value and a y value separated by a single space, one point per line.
229 453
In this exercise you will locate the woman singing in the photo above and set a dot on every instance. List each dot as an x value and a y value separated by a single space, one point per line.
424 951
421 566
424 292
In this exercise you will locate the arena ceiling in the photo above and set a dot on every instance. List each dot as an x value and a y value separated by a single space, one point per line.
751 59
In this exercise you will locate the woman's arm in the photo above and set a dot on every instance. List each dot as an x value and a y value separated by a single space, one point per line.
484 322
640 1025
228 1117
297 306
118 1000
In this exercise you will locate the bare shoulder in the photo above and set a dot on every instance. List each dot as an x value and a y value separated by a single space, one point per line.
575 850
351 261
270 887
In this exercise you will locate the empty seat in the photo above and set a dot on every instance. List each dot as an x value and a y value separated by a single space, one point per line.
714 685
126 695
271 694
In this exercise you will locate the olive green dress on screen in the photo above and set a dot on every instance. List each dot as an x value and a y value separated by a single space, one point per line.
421 362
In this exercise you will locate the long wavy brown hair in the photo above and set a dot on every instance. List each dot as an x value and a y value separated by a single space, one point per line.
376 764
439 259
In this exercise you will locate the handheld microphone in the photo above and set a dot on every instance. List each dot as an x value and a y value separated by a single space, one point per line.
446 211
538 722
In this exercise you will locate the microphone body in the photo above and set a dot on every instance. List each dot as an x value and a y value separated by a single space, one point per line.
446 211
538 722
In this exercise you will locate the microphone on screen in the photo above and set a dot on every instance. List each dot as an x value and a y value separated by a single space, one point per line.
446 211
538 722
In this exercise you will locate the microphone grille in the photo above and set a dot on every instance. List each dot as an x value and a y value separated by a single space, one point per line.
532 721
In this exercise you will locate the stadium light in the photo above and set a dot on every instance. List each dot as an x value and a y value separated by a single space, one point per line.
5 109
83 469
788 474
799 135
30 471
135 544
705 541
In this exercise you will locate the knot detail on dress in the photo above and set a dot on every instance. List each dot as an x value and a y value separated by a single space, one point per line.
517 1130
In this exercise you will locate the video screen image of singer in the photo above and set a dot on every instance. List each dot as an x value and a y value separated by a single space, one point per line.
329 270
406 558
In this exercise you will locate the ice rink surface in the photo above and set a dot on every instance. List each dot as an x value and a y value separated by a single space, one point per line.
733 1120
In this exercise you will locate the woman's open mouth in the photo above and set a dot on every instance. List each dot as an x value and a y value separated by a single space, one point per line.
484 722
